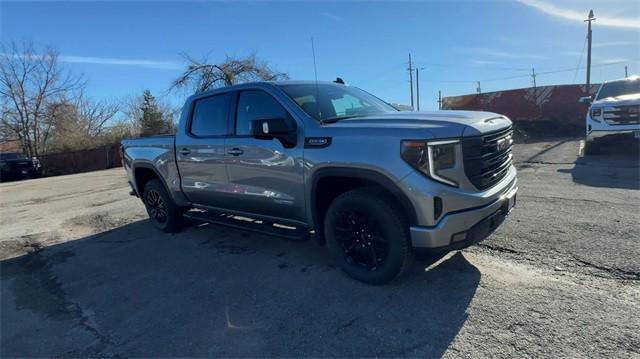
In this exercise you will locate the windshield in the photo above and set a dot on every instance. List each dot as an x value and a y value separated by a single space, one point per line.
11 156
328 102
619 88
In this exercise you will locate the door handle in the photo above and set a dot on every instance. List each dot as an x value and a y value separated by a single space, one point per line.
185 151
235 151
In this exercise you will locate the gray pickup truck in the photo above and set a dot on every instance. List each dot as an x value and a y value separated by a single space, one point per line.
322 160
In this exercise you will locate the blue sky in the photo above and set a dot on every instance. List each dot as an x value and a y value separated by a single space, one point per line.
124 47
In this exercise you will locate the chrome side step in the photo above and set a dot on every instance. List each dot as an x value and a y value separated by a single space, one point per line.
249 224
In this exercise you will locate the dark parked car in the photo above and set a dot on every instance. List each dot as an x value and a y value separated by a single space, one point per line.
14 166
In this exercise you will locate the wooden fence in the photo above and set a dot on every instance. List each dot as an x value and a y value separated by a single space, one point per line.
81 161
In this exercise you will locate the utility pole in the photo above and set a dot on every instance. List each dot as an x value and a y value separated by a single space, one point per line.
411 82
439 100
418 88
533 76
625 72
478 90
588 21
535 90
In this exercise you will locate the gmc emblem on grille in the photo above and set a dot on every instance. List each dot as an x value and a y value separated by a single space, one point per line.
503 143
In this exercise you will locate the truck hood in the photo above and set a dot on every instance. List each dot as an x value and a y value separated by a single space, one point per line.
624 100
441 124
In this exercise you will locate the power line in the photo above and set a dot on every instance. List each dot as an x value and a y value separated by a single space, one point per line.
554 72
506 78
596 65
491 67
584 45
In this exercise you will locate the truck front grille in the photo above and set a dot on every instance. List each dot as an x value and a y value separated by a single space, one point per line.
622 115
487 158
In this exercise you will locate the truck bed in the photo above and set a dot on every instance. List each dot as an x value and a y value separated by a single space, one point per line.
156 153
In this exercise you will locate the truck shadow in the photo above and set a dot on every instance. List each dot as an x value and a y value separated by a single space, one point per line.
615 165
213 291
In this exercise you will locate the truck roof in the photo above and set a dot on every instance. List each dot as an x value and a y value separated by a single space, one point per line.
262 83
630 78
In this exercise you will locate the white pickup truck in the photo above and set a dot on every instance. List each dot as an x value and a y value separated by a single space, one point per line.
614 111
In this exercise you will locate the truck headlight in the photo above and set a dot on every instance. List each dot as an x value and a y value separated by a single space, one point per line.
596 112
431 158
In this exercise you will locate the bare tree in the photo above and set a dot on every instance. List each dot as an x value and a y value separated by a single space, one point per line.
79 123
28 82
95 115
202 76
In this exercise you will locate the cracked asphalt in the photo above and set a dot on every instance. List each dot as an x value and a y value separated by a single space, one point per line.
83 273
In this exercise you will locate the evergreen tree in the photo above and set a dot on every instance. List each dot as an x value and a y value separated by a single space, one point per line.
151 119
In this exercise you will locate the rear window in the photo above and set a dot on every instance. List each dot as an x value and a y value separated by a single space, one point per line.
210 116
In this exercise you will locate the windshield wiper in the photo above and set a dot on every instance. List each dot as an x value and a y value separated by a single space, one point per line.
338 118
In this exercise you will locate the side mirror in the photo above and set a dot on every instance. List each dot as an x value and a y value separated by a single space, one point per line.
585 99
280 128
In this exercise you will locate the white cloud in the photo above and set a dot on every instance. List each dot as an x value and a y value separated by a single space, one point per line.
157 64
485 62
330 16
505 54
579 16
573 53
616 43
616 60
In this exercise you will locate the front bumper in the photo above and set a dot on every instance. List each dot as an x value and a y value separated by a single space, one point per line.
595 134
599 128
463 228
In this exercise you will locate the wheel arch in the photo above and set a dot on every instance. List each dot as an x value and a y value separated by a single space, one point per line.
359 178
143 173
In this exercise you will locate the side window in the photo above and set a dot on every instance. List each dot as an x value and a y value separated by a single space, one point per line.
256 105
210 116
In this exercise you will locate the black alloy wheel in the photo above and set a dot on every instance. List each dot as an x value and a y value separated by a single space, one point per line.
368 235
363 243
157 209
164 214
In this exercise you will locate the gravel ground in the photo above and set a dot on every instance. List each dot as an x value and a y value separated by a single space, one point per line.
83 273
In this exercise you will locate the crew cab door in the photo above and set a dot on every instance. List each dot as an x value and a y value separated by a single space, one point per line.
266 177
200 150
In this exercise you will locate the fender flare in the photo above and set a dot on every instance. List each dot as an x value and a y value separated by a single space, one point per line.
367 175
148 166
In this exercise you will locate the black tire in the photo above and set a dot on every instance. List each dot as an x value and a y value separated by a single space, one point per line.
368 237
591 148
164 214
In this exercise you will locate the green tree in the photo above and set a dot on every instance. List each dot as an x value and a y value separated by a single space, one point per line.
151 120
